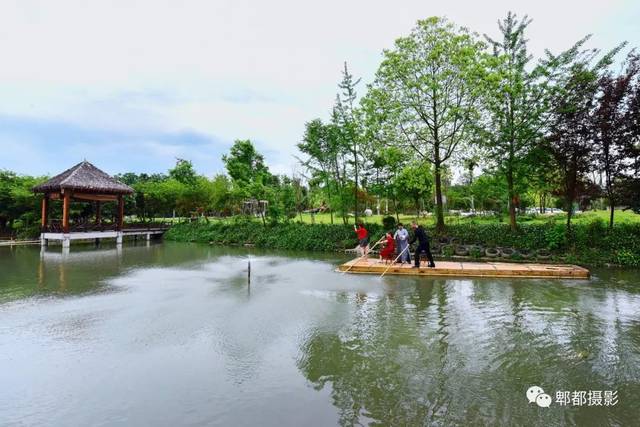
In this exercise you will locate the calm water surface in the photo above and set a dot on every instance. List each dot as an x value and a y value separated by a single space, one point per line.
172 335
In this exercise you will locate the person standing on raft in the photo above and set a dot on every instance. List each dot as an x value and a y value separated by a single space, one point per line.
423 245
402 244
363 239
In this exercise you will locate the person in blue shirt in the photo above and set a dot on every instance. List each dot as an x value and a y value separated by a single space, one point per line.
402 244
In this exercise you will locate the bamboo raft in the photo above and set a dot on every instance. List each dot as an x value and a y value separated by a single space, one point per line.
468 269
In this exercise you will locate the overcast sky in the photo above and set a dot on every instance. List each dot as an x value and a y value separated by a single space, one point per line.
131 85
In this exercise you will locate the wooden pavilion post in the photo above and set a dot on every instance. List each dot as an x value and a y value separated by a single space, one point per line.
98 213
45 211
65 211
120 212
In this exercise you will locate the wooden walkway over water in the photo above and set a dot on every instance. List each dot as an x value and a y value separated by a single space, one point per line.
468 269
118 235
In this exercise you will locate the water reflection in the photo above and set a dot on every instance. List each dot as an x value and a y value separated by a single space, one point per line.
451 352
172 334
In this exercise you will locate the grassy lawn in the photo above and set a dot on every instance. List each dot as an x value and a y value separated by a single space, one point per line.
621 217
584 217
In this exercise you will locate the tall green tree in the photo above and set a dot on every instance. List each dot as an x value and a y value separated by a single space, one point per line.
183 172
427 91
321 146
515 103
245 165
613 127
17 200
416 181
387 164
575 74
250 175
345 120
220 194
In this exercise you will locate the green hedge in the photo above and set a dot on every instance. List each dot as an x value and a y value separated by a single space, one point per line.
591 244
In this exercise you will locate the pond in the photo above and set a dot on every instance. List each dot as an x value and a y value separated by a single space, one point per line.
172 334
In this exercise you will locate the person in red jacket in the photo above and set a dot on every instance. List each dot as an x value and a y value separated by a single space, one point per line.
389 250
363 239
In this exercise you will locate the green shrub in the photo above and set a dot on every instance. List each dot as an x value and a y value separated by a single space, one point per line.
389 222
447 250
556 237
475 252
627 258
592 243
30 232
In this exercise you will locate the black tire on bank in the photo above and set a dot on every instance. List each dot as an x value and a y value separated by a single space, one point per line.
461 250
526 253
492 252
543 254
507 252
448 250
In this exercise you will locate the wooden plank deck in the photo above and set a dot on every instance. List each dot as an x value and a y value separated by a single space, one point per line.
469 269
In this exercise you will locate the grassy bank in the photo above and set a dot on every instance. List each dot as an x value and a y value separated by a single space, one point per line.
587 217
589 244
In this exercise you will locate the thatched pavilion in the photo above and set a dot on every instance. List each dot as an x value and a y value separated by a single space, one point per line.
85 183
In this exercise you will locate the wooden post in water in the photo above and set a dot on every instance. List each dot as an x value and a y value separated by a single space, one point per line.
249 273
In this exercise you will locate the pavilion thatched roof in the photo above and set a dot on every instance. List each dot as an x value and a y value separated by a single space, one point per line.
86 178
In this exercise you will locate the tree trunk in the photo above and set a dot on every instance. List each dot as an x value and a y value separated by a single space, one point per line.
355 191
568 201
570 194
345 214
609 191
569 207
611 209
330 209
512 200
540 205
395 209
439 204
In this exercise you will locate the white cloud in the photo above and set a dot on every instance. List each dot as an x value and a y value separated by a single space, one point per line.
235 69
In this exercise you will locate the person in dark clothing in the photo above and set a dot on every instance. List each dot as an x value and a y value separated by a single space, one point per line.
423 245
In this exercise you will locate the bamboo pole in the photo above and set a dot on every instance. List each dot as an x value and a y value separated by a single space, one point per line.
370 249
394 261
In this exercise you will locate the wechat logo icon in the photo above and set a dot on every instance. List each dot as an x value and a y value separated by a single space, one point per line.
536 394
